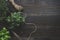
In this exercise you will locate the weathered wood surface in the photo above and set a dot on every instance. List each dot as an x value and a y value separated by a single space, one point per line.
46 15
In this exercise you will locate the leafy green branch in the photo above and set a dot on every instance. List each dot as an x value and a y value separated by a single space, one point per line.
4 34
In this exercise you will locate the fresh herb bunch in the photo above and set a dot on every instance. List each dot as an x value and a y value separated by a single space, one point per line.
4 34
15 19
3 9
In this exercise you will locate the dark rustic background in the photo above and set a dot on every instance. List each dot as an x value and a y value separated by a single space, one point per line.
45 14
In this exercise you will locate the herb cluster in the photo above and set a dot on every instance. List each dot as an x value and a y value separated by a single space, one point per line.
15 19
4 34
